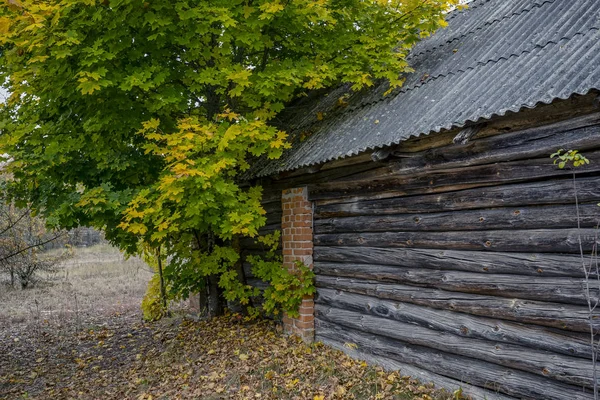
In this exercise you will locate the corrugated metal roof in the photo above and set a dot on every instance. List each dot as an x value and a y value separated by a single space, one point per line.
496 56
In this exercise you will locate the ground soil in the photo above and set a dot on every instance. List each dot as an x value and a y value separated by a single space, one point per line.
97 347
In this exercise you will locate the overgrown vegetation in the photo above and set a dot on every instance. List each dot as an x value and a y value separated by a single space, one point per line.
173 100
23 241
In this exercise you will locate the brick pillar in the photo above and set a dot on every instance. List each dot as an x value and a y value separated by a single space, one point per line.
297 239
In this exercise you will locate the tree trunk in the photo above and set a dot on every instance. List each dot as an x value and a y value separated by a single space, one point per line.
163 295
215 298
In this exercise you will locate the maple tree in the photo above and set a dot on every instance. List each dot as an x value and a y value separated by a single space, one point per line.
137 117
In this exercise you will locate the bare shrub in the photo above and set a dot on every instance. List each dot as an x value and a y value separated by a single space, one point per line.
22 240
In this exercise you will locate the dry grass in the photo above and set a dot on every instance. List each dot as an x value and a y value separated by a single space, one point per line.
96 282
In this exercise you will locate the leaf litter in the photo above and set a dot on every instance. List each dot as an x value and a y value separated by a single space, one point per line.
176 358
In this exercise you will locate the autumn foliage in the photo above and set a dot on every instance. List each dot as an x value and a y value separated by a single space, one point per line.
138 117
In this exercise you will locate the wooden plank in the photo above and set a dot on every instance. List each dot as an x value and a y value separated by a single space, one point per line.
532 217
559 290
423 375
514 195
464 325
388 180
534 240
480 373
562 316
535 264
570 370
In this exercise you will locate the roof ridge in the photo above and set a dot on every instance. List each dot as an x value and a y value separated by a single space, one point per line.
480 27
454 73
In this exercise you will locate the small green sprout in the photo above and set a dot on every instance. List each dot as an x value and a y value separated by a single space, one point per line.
563 158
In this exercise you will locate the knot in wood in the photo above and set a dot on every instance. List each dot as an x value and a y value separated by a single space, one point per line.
382 311
488 243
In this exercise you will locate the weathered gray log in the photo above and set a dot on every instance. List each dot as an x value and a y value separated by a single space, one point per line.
273 206
532 217
562 316
467 326
273 218
311 174
570 370
270 228
456 178
536 264
381 154
465 135
480 373
534 240
558 290
582 133
451 385
522 194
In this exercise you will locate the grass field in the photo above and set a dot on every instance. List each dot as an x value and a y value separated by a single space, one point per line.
95 282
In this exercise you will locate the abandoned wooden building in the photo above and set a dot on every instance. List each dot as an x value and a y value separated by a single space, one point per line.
444 239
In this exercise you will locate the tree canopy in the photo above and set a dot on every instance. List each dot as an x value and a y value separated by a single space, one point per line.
137 117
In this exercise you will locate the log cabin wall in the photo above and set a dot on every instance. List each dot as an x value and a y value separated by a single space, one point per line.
459 263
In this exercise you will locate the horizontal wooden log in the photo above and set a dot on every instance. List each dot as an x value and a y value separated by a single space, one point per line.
535 264
272 225
570 370
457 178
558 290
339 169
562 316
534 240
273 207
451 385
480 373
273 218
558 191
460 324
582 133
557 111
533 217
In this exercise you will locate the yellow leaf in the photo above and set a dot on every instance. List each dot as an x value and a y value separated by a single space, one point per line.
4 25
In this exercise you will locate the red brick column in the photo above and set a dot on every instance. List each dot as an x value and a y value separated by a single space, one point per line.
297 239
